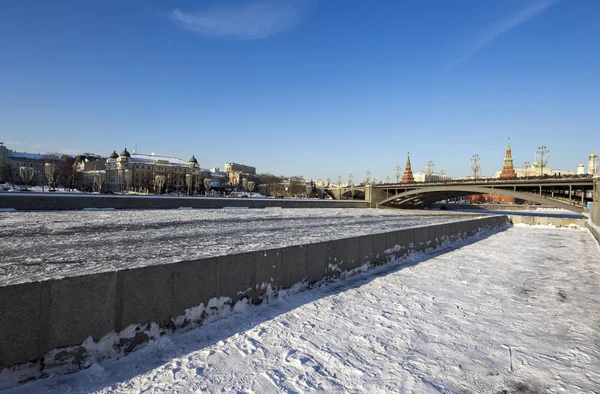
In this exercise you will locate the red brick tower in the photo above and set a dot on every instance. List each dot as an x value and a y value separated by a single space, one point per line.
408 175
508 170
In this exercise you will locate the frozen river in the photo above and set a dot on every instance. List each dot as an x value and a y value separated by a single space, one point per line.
38 245
515 312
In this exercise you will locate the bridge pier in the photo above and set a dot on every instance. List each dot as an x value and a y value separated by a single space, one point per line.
374 195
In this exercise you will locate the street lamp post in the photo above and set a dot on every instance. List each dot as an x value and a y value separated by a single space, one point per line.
339 187
542 156
398 173
526 166
475 166
351 185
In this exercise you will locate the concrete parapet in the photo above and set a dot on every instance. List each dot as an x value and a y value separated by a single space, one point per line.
594 230
268 272
236 274
194 283
51 202
62 313
294 265
317 261
20 308
145 295
595 213
546 221
93 296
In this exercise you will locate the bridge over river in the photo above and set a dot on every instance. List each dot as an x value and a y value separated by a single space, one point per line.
567 193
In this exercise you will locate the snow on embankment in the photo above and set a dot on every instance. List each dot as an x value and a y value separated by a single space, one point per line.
144 303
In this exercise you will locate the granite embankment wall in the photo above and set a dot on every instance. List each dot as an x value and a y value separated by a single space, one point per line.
546 221
50 202
38 317
595 212
595 218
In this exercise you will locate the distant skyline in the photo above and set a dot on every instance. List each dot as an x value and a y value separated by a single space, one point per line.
305 87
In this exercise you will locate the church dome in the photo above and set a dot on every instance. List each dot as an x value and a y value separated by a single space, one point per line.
114 155
125 153
193 160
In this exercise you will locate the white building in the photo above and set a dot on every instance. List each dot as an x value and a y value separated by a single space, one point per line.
432 177
150 173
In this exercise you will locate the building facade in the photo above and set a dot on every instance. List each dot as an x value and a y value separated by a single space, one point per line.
431 177
12 161
235 167
150 173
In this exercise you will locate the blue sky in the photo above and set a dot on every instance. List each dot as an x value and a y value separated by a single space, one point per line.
314 87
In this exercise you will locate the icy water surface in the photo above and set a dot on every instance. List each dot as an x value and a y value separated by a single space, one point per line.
37 245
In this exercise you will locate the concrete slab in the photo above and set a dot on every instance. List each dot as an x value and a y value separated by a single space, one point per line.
420 238
145 294
365 250
337 256
81 306
294 265
268 269
20 307
194 283
379 256
236 276
317 262
353 246
404 239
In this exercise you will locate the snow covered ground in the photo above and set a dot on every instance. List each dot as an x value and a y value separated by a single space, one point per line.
504 313
37 245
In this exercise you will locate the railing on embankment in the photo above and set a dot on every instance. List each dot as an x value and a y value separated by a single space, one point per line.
40 317
49 202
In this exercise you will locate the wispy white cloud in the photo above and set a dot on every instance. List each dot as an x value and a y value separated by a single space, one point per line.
503 27
245 21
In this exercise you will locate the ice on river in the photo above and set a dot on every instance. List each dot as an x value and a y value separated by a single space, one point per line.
516 311
38 245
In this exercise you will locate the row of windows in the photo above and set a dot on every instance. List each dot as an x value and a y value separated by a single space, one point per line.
154 168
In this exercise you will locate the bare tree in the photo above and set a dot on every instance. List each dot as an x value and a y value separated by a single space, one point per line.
50 173
272 183
99 177
159 182
26 174
207 184
8 174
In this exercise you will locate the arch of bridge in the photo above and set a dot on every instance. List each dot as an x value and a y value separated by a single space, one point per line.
427 195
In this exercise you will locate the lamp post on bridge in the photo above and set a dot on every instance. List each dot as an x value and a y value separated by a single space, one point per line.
526 166
475 166
351 185
398 173
339 187
542 156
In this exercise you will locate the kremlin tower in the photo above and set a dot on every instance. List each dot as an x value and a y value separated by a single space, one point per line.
408 175
508 170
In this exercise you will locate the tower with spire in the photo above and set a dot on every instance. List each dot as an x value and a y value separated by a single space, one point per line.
508 169
407 177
